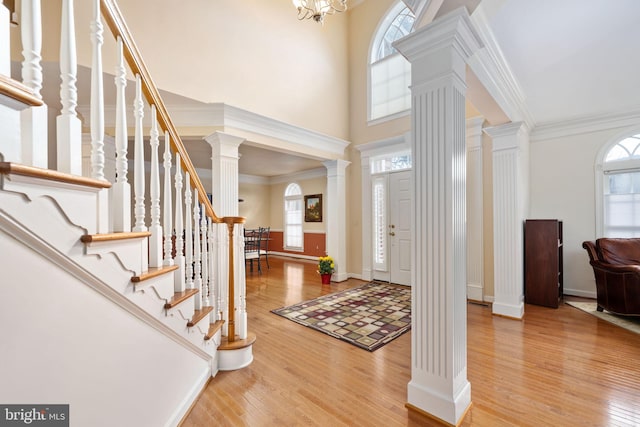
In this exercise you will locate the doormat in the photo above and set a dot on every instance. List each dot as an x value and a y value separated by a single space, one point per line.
368 316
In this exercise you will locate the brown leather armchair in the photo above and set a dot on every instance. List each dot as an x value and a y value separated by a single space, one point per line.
616 267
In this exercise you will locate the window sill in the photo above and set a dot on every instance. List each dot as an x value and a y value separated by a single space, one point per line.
384 119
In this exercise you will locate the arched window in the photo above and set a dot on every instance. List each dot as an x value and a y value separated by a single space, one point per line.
293 212
621 189
389 71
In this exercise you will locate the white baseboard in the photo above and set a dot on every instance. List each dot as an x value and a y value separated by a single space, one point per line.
190 398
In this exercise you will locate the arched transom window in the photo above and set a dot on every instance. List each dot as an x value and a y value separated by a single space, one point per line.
389 71
621 189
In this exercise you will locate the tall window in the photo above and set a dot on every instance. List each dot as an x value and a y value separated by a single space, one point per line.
621 189
390 72
293 212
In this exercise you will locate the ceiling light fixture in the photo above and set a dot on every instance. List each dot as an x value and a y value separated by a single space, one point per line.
317 9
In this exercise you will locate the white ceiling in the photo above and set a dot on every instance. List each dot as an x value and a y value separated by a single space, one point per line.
571 58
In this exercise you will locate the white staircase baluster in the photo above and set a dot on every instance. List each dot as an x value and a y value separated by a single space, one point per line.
167 214
121 190
69 128
188 235
212 277
205 259
155 241
197 282
97 97
33 120
138 159
98 157
179 226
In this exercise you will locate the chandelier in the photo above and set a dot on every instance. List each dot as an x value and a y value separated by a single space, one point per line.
317 9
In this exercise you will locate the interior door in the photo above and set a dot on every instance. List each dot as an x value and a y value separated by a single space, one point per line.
400 227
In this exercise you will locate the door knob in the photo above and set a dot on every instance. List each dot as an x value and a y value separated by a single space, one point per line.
392 234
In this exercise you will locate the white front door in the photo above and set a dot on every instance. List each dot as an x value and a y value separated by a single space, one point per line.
400 227
392 227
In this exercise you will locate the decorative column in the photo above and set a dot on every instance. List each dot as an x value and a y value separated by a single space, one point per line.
336 216
510 209
224 191
438 52
475 246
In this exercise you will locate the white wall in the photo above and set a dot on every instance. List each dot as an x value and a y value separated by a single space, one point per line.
563 187
64 343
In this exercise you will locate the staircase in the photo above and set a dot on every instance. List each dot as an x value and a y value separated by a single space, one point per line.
120 318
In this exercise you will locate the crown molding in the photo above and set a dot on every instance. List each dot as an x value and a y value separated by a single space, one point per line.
253 179
586 124
230 119
490 66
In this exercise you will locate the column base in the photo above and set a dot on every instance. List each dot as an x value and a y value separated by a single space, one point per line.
433 404
508 310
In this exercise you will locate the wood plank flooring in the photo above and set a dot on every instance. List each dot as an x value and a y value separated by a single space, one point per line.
557 367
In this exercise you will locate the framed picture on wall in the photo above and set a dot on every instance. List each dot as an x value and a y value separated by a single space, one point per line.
313 208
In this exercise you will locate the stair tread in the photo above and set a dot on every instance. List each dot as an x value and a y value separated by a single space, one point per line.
154 272
16 90
8 168
110 237
213 328
238 343
179 297
198 315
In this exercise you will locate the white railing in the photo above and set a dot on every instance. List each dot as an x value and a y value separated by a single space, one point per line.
186 239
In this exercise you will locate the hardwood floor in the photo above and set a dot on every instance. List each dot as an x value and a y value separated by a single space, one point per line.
557 367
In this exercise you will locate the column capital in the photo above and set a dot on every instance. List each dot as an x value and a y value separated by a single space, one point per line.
452 30
336 167
474 132
508 136
224 144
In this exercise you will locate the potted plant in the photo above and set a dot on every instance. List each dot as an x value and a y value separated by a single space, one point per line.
326 267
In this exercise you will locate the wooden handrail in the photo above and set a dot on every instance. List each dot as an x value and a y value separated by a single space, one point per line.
115 21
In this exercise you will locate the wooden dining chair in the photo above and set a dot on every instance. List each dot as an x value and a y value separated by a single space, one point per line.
264 247
252 245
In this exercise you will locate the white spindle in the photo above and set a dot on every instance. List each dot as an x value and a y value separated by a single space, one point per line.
179 259
188 250
138 159
155 241
197 282
33 120
69 130
167 205
212 276
205 259
97 97
31 32
121 211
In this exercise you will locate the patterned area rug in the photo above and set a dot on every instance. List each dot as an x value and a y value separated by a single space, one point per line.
628 322
368 316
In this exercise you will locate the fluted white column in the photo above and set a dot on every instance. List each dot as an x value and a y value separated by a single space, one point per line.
69 127
33 120
335 214
438 53
475 245
224 191
510 209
